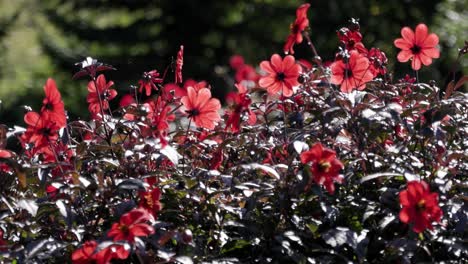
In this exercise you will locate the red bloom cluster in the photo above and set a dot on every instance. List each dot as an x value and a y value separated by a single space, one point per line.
149 201
281 75
351 38
100 95
132 224
244 73
240 102
420 206
419 46
43 127
299 25
325 166
90 253
174 91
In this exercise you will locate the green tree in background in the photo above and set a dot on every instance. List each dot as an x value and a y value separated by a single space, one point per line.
45 38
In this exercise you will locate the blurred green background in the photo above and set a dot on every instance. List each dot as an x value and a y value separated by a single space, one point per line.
42 38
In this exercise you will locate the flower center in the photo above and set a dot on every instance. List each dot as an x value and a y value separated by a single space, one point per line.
294 28
324 166
280 76
348 73
49 106
149 200
192 112
46 131
416 49
421 205
124 229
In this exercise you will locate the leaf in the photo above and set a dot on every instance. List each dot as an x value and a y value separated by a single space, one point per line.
270 171
234 245
300 146
131 184
386 220
171 154
62 209
378 175
28 205
451 87
184 260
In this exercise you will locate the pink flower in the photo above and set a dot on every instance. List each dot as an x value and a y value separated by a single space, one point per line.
351 75
281 75
418 46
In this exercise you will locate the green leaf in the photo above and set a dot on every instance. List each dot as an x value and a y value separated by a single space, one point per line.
234 245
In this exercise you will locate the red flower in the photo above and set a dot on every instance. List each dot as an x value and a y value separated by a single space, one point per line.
131 225
241 104
201 107
179 63
281 75
149 201
173 90
236 61
114 251
325 166
420 206
418 46
299 25
102 92
378 61
246 73
149 81
41 131
5 154
351 39
52 105
85 254
126 100
159 116
351 75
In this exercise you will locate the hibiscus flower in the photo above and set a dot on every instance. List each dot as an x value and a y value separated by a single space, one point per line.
299 25
325 166
419 46
351 75
52 105
132 224
102 91
201 108
281 75
420 206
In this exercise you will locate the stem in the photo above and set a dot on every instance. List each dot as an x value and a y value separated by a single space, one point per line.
285 138
312 47
56 157
186 136
101 107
